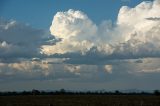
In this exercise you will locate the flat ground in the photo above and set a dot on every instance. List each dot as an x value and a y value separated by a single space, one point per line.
80 100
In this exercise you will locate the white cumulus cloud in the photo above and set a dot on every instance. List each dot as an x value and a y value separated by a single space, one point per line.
72 24
132 36
108 68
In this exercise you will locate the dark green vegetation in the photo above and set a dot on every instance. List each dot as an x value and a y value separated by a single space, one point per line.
80 100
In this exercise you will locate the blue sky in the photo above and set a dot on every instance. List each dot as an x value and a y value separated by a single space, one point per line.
39 13
79 44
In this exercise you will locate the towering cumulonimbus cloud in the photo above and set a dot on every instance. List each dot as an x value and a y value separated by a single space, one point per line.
130 37
75 30
138 18
72 24
142 35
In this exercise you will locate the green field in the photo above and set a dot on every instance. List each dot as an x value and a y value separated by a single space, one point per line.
80 100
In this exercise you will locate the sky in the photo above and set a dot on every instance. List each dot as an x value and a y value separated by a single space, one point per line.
79 44
39 13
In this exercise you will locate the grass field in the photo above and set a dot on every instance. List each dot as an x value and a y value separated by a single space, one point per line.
80 100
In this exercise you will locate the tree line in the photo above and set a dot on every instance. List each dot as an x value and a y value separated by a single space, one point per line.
65 92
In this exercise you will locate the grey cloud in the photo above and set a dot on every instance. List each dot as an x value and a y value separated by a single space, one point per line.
21 40
153 18
139 61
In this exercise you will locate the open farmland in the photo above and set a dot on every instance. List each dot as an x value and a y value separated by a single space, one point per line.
80 100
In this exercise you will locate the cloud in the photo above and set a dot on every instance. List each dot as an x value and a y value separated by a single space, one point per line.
77 33
108 68
20 54
153 18
67 46
141 67
21 40
125 39
75 30
72 24
78 48
25 68
73 69
157 70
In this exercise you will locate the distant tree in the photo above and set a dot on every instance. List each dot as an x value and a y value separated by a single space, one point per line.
35 92
117 92
157 92
62 91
